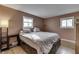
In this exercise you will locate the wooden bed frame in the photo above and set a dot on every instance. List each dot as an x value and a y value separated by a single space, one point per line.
31 50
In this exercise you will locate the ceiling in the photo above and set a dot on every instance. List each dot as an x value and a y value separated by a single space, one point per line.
45 10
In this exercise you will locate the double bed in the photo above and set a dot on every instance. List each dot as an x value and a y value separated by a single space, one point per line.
40 42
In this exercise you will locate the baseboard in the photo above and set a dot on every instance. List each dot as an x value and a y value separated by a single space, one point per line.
68 43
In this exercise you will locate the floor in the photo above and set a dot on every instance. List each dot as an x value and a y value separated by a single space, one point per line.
65 50
19 50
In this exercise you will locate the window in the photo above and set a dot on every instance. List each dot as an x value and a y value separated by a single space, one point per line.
27 22
67 22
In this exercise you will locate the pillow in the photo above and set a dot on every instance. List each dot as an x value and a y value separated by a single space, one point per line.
27 30
36 29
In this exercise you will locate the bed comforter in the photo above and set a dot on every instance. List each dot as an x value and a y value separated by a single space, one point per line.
44 40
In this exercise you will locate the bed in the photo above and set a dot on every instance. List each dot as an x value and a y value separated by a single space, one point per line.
40 42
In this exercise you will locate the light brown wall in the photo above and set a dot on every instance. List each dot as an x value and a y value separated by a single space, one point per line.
53 25
50 24
15 19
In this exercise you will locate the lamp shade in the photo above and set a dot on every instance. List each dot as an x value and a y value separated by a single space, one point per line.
4 23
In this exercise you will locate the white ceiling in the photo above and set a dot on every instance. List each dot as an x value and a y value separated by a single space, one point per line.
45 10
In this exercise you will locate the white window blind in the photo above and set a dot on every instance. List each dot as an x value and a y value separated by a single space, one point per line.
67 22
27 22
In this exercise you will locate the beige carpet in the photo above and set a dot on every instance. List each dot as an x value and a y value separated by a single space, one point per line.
15 50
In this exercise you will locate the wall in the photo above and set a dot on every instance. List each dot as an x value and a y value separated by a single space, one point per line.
15 19
52 24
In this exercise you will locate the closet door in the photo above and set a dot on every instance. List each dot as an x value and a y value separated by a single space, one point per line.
77 38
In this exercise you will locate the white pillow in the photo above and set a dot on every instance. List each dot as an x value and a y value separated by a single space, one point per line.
27 30
36 29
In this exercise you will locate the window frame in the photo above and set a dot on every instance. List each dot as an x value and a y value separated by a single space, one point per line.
27 22
67 18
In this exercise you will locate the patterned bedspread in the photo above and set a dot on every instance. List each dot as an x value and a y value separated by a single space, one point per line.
44 40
